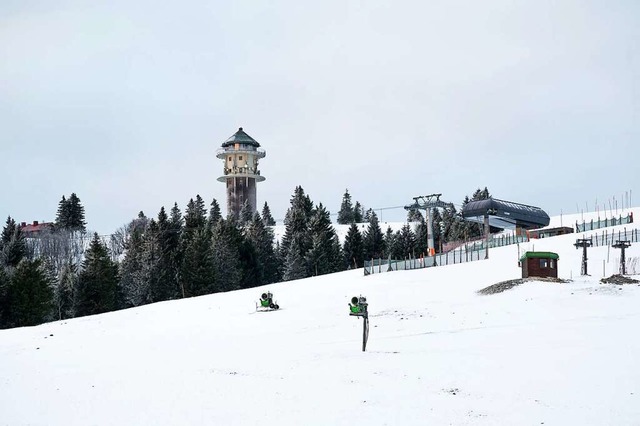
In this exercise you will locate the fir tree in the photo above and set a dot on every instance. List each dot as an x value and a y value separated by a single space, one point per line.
324 255
414 215
390 243
246 214
70 215
165 285
4 289
368 214
195 214
450 224
64 292
296 228
295 266
226 261
171 244
261 237
12 245
97 289
76 214
358 213
405 242
354 248
134 283
29 297
373 239
214 213
266 215
198 273
346 214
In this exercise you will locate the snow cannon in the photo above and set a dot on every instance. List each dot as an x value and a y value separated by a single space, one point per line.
266 302
358 306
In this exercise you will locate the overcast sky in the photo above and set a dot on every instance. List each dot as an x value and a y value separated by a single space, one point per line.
125 102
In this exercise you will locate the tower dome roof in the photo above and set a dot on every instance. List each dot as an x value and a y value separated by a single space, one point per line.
240 137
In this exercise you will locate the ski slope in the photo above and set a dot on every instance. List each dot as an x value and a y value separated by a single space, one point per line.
438 353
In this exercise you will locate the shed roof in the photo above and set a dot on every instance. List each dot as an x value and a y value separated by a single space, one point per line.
505 214
240 137
539 255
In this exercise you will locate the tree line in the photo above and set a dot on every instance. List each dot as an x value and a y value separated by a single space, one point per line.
64 272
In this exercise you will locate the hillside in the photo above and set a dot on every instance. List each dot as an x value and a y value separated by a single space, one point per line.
439 353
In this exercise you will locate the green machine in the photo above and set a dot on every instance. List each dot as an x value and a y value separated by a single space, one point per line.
267 303
359 308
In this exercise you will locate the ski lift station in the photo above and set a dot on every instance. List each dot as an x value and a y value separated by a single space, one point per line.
505 214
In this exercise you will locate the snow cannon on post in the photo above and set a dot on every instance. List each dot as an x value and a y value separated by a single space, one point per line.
267 303
359 308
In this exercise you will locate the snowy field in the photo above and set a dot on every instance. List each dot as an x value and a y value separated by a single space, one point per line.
438 353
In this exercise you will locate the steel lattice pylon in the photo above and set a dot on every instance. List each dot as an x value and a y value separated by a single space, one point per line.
428 203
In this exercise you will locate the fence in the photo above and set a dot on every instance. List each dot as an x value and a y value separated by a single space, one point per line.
591 225
465 253
605 238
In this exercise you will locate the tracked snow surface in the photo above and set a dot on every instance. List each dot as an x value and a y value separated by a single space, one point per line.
439 353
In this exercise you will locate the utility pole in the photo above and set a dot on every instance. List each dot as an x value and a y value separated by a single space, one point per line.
428 203
622 245
584 243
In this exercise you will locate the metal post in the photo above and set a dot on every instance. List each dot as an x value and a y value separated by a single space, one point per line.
486 236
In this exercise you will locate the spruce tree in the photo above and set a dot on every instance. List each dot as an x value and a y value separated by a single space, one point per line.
198 271
266 215
373 239
97 288
4 289
324 254
76 214
358 213
405 241
171 244
13 247
391 244
246 214
165 285
261 237
295 266
134 283
346 214
29 299
296 228
64 292
214 213
63 214
226 261
195 215
353 248
450 224
414 215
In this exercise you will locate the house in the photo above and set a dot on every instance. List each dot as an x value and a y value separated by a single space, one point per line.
36 228
539 264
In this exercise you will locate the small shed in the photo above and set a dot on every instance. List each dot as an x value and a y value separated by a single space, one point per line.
539 264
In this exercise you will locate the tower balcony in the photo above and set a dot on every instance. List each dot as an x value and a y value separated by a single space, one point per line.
221 153
241 172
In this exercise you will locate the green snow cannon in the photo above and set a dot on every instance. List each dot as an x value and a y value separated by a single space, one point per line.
358 306
266 301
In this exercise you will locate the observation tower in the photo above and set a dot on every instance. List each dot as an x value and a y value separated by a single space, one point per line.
240 154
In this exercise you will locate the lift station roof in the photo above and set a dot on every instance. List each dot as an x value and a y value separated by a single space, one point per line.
505 214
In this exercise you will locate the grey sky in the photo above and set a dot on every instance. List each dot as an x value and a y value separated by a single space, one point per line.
124 103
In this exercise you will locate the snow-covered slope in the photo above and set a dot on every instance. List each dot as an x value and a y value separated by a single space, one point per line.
438 353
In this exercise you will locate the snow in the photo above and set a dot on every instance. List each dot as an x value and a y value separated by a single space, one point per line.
438 353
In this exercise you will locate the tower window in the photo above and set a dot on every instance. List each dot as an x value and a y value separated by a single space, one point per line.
240 157
230 158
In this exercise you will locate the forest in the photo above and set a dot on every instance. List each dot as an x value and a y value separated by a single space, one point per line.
65 271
